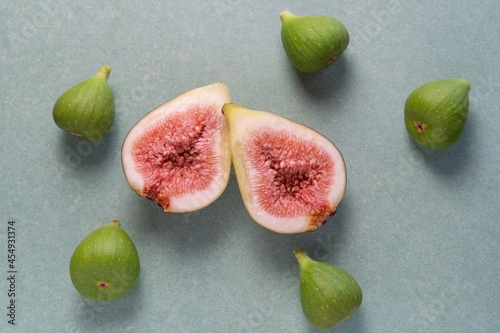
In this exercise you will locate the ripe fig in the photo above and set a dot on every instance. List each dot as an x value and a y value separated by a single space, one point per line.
105 265
312 43
436 113
178 154
328 294
87 109
291 178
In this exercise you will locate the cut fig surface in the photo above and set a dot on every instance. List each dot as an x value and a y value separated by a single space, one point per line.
291 177
178 154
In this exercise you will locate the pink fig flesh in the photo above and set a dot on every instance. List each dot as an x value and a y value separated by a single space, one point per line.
291 177
292 173
178 154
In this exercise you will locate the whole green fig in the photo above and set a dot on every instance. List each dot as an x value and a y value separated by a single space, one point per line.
435 113
312 43
87 109
328 294
105 265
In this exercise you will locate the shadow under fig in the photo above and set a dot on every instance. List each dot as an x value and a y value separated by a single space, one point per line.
95 316
454 160
329 83
355 323
79 153
191 233
326 243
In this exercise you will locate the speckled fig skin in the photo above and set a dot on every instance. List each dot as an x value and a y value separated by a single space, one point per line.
312 43
105 265
328 294
436 113
87 109
291 177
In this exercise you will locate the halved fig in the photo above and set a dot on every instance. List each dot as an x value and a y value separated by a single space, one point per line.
291 177
178 154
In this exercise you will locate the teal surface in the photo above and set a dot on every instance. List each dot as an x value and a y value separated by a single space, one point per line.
419 230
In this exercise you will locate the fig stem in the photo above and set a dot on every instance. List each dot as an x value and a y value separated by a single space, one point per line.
302 257
228 108
115 222
465 82
106 70
285 15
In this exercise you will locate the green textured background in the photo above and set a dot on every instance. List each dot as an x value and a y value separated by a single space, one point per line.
418 229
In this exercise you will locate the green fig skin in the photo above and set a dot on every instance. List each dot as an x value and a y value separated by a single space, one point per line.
312 43
435 113
328 294
87 109
105 265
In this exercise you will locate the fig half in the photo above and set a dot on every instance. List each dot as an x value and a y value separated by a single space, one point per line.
178 154
291 177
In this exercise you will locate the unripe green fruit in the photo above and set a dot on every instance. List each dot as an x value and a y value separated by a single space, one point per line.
105 265
328 294
436 113
312 43
87 109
